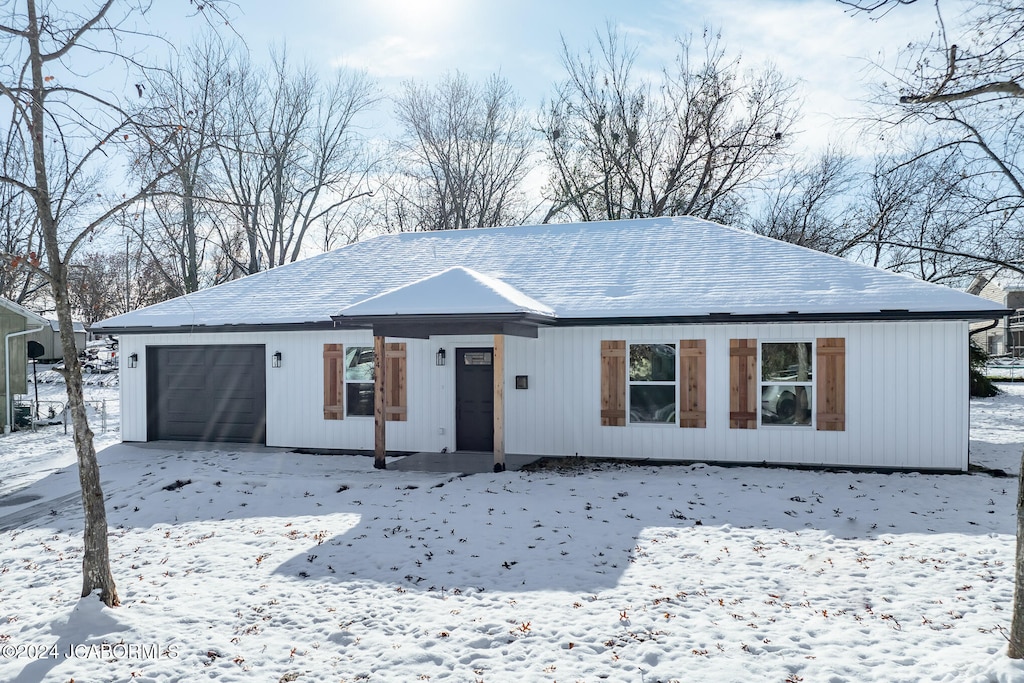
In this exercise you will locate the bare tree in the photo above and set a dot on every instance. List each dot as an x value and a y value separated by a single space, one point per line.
70 130
292 157
464 152
180 105
809 205
623 146
963 88
19 229
102 284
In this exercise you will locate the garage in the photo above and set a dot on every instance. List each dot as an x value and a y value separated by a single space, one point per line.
207 393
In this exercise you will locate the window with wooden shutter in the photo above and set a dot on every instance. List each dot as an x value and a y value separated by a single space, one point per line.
613 383
394 375
742 384
693 410
334 382
831 384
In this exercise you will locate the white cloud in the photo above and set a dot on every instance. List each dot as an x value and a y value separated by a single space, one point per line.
392 56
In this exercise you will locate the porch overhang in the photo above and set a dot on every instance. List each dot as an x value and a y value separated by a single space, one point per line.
425 326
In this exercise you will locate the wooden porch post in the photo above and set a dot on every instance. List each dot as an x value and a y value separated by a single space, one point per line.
499 403
379 363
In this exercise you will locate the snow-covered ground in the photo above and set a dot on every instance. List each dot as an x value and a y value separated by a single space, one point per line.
238 566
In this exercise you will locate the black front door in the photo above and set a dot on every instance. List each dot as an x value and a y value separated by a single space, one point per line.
474 399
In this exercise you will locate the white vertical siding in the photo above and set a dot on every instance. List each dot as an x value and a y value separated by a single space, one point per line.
906 398
906 401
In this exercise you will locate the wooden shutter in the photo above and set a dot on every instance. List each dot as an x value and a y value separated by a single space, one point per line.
394 376
830 386
693 411
334 382
613 383
742 384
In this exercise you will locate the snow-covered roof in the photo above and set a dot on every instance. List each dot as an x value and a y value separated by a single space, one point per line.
77 326
33 318
456 290
654 267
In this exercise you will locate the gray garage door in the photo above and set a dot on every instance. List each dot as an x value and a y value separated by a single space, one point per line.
207 393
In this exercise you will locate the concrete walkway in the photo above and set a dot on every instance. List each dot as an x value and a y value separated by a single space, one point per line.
462 462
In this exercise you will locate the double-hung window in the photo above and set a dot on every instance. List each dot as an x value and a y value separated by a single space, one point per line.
652 383
787 380
359 380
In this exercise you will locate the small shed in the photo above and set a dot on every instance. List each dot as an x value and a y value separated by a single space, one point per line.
671 339
49 339
15 320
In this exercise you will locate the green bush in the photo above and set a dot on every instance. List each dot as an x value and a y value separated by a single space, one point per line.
981 386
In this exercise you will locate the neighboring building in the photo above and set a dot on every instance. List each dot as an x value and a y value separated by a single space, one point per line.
14 319
670 339
1007 337
49 338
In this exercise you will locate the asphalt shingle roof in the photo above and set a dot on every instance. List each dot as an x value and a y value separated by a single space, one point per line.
673 266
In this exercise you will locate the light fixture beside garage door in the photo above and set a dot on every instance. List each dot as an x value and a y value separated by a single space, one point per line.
133 360
276 359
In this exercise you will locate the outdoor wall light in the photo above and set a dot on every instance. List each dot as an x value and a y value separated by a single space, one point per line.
439 356
133 360
276 359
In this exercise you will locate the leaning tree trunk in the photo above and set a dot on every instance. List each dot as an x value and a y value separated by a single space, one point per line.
96 574
1016 649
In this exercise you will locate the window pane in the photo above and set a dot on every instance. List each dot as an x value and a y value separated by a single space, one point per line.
359 397
652 403
785 404
359 363
787 362
652 362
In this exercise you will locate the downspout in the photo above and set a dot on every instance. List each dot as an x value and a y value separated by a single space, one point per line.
993 325
8 407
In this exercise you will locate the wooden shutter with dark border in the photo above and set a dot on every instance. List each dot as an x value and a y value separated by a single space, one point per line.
693 411
334 382
742 384
830 371
613 383
394 375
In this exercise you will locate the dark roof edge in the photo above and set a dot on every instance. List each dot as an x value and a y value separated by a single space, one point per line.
727 318
713 319
201 329
357 321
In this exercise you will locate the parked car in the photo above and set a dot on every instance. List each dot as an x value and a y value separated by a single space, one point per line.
785 404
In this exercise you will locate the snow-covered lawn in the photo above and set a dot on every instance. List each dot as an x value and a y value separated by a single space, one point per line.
239 566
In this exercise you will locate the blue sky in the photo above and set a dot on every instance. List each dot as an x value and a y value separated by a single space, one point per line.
814 41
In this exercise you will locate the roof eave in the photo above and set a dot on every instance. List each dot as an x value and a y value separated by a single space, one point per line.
369 322
790 317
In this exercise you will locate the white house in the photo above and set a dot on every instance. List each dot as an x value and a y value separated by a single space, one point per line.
663 339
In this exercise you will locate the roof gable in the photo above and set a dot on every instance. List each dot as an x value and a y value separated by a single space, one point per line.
656 267
456 290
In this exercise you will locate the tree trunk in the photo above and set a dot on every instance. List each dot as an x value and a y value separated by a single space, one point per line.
1016 649
96 572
